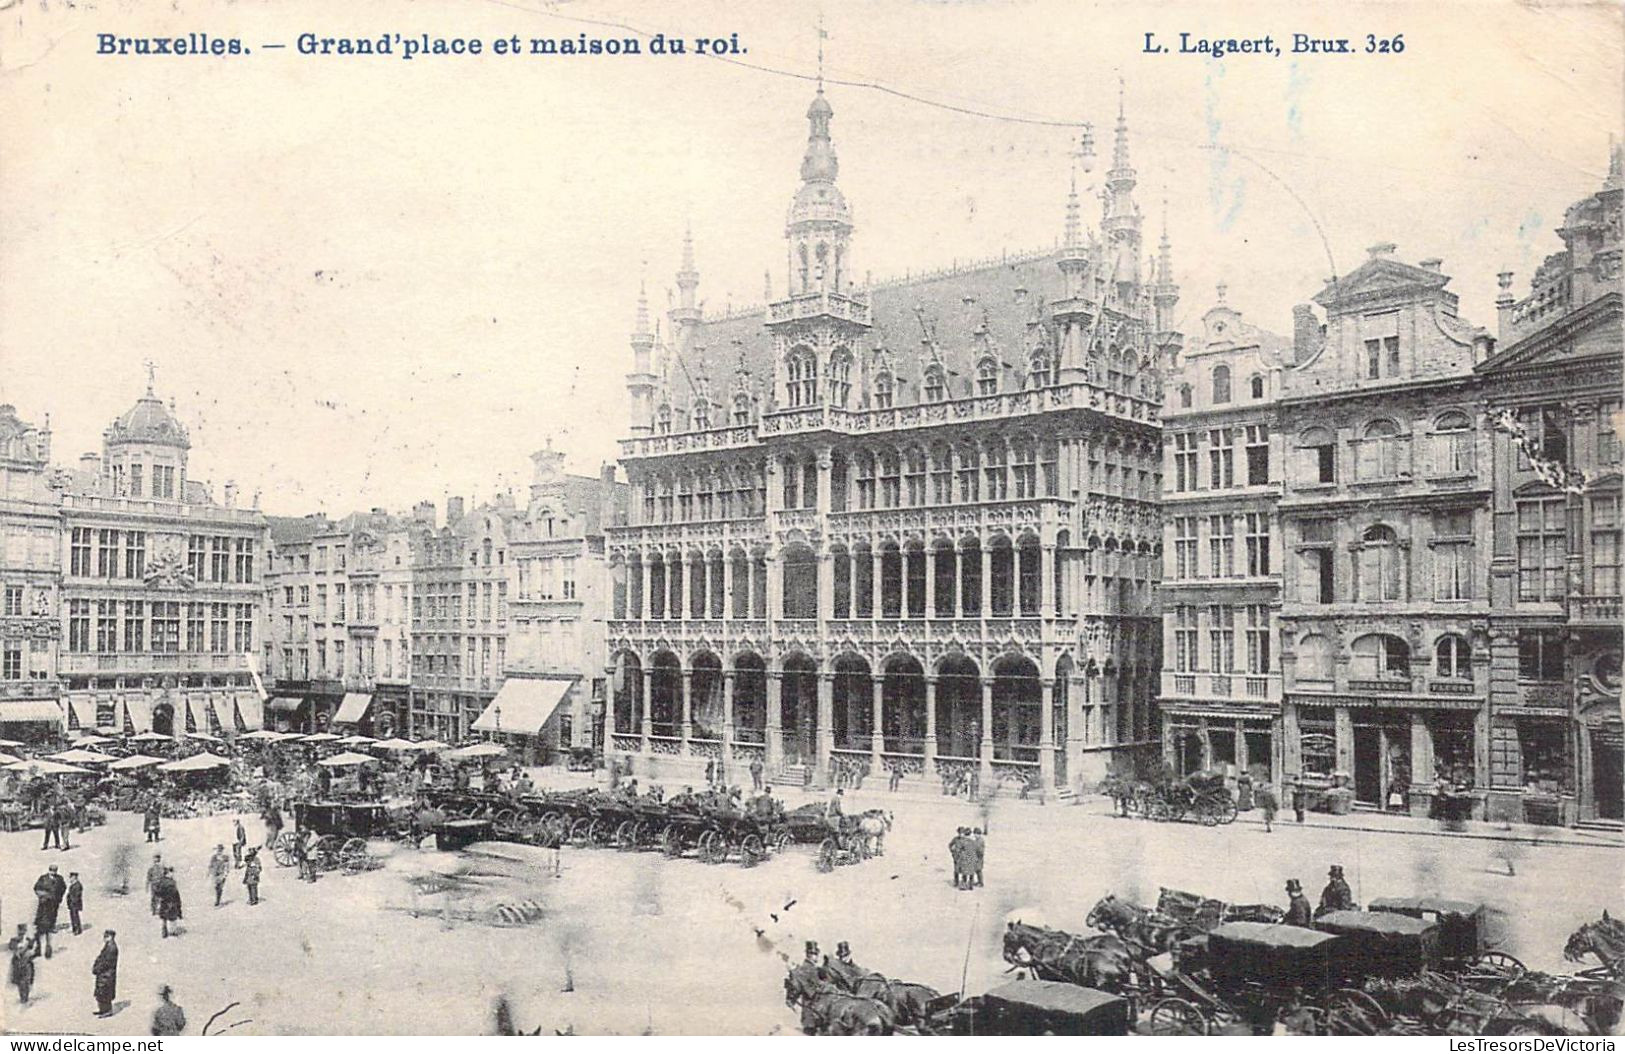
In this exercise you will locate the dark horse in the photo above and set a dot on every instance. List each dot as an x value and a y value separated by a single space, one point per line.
1149 930
841 1013
1101 961
1605 939
909 1003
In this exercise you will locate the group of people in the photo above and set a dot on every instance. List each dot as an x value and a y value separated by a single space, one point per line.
1337 896
967 847
808 977
62 814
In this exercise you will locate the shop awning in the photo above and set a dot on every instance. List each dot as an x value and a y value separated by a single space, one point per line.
283 704
224 712
84 709
524 704
198 705
353 708
251 709
139 708
1217 713
24 711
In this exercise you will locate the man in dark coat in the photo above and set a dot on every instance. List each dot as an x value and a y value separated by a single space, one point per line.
169 901
842 969
49 889
238 844
24 951
155 874
803 984
1297 910
1337 896
105 969
169 1019
273 825
53 828
957 849
76 901
978 853
251 876
152 822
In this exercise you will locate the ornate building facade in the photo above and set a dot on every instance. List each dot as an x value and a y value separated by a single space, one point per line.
1221 573
161 600
30 577
1384 510
912 526
1553 393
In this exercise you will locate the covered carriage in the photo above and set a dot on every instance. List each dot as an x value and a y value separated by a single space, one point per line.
343 827
1036 1008
1463 943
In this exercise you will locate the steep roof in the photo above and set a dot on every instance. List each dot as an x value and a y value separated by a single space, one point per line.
148 421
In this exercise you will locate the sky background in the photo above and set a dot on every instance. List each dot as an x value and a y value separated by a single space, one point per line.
369 281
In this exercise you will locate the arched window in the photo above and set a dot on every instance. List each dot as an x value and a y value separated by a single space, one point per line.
1221 384
1129 366
1039 371
866 479
741 410
702 415
840 377
883 390
914 476
936 386
1381 451
1453 657
987 377
1380 657
1314 658
1024 468
1255 385
1380 565
802 383
891 481
663 419
1184 397
1453 444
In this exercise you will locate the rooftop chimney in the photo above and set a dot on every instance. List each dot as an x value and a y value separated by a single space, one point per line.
454 511
1306 333
1504 302
231 494
423 512
1382 250
91 462
1435 265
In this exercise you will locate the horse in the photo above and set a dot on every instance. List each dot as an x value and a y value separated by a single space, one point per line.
1605 939
839 1013
909 1003
1101 961
1148 929
873 824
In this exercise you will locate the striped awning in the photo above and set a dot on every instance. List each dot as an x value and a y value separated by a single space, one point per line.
139 707
26 711
353 708
1217 713
251 709
284 704
84 709
224 711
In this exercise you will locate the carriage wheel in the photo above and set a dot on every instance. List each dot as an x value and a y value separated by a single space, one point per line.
353 856
626 835
671 842
1208 816
1158 810
282 849
1228 811
1177 1017
506 819
599 832
1498 965
780 840
579 831
643 835
1351 1012
713 847
829 855
752 850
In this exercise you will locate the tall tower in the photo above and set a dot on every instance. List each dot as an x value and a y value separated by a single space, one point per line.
640 383
1075 312
685 317
822 320
1164 291
1120 223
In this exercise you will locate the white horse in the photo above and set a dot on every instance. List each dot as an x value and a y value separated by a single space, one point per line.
873 825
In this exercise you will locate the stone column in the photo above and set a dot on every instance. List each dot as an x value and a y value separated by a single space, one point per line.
775 720
984 602
1077 730
876 607
930 725
727 724
902 582
877 733
826 585
825 461
1046 738
959 583
645 600
750 585
1422 769
730 584
1046 581
648 706
825 742
930 581
985 752
687 681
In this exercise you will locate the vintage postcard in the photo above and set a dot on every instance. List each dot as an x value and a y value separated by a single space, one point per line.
1007 517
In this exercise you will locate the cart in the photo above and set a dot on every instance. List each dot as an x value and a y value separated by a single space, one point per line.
1462 943
344 828
1035 1008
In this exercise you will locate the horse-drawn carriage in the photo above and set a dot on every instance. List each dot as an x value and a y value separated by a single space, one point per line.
1036 1008
1463 944
343 829
849 840
1204 797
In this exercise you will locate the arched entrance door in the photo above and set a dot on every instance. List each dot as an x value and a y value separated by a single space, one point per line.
799 705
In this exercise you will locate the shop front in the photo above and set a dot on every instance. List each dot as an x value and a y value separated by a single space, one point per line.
1224 739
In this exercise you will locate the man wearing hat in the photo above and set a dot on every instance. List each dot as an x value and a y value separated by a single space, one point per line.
1337 896
1297 909
842 968
105 970
251 875
803 984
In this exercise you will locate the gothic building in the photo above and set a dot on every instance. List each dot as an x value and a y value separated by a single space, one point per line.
910 525
30 574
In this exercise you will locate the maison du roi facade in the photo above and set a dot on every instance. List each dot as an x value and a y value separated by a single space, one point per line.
1426 520
131 599
907 525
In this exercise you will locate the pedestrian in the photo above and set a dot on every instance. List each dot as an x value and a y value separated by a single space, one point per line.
894 778
105 970
1298 912
66 816
219 868
1300 798
804 983
251 876
756 774
978 853
53 828
238 843
1265 797
169 902
169 1019
49 889
956 849
307 855
76 901
152 822
155 875
24 950
1337 896
273 825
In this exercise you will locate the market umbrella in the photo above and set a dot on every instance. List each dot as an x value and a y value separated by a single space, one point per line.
83 757
263 735
135 761
206 737
195 763
478 750
396 744
357 741
346 759
91 740
431 744
8 759
150 737
9 744
322 737
46 767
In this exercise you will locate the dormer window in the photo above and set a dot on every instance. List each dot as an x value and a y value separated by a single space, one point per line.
802 373
1255 386
1221 384
840 377
883 391
987 377
663 419
936 388
1039 374
702 415
741 410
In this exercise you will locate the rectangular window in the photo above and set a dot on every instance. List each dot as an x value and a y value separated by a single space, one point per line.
338 659
341 603
1258 544
1185 660
163 481
321 604
1258 455
135 626
942 478
1317 579
219 559
304 596
1542 549
135 480
245 628
1540 655
1222 638
1221 462
1453 554
13 670
1185 547
197 560
1608 452
1186 472
14 600
166 626
194 629
135 554
245 560
219 629
79 626
1221 547
1373 359
107 626
1258 638
79 564
1605 535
